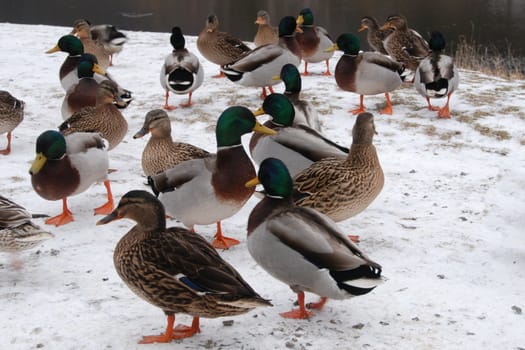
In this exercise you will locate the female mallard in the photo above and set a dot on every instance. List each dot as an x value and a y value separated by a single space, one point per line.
104 118
374 36
111 38
258 67
175 269
266 33
11 115
342 188
161 153
366 73
304 248
305 112
207 190
298 146
68 165
219 47
313 41
181 72
82 29
436 75
405 45
17 231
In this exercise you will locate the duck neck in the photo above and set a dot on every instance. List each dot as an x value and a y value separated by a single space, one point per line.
363 154
267 207
233 169
290 42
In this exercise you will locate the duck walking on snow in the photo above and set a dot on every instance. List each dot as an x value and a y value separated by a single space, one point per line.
11 115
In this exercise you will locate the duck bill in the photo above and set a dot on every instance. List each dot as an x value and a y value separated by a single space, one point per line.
360 29
141 133
263 129
54 49
109 218
299 20
260 20
253 182
387 26
276 77
332 48
259 112
98 69
38 164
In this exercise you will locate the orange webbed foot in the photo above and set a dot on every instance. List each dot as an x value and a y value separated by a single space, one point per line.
223 242
62 219
297 314
220 75
444 112
357 111
354 238
387 110
169 107
105 209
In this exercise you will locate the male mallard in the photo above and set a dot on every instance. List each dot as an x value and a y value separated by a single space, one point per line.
313 41
219 47
366 73
374 36
181 72
436 75
298 146
207 190
104 118
68 165
11 114
111 38
342 188
82 29
258 67
161 153
405 45
304 248
175 269
266 33
305 112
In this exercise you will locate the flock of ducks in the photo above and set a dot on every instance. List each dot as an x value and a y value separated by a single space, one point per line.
309 182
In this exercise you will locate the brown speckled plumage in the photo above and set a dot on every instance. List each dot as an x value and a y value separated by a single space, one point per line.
11 115
374 35
82 29
266 32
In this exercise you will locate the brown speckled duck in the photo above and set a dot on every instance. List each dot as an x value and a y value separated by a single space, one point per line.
104 118
161 153
11 115
219 47
374 35
82 29
266 33
175 269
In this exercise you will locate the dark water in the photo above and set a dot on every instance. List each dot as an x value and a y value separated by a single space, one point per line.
492 23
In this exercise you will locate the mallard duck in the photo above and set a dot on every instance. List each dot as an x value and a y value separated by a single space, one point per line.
11 115
111 38
84 93
258 67
219 47
405 45
342 188
305 112
366 73
374 36
297 146
266 33
161 153
82 29
313 41
68 165
208 190
181 72
303 247
104 118
175 269
436 75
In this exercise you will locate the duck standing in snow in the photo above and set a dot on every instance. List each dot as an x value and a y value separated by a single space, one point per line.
11 115
82 29
111 38
374 35
266 33
302 247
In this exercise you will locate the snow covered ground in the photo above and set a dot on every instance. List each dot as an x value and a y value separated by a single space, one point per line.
448 227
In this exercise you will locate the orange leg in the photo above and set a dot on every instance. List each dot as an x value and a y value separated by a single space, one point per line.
430 107
179 332
110 205
306 68
111 60
361 108
445 111
220 75
187 104
327 68
271 90
300 313
166 105
223 242
388 108
318 305
62 219
354 238
7 150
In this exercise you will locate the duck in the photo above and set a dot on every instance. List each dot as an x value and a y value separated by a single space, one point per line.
313 41
181 72
175 270
17 230
374 35
258 67
436 76
207 190
82 29
104 118
219 47
304 248
404 45
343 187
161 152
84 93
111 38
298 146
11 115
68 165
366 73
305 112
266 32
